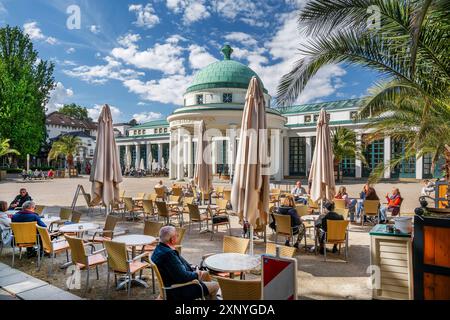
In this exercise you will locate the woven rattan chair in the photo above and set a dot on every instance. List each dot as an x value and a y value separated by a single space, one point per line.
149 209
337 233
39 209
233 289
52 247
85 261
312 206
285 251
76 216
131 207
196 217
64 215
370 210
227 195
302 210
177 191
152 196
186 201
163 289
120 263
24 236
107 233
284 228
340 207
161 193
218 192
167 213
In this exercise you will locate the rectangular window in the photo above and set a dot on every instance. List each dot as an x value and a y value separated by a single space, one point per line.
227 98
199 99
353 115
316 117
297 156
307 118
374 154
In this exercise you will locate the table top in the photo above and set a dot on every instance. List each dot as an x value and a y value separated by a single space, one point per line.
232 262
310 217
48 221
135 239
381 230
73 228
206 206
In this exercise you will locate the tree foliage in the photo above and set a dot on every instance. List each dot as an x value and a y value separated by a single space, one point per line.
75 111
66 146
5 148
344 146
25 83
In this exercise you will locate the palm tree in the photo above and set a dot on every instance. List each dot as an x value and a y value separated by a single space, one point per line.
66 146
344 146
5 148
409 48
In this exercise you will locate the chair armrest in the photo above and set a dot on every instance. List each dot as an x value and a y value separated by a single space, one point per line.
142 255
207 255
98 251
176 286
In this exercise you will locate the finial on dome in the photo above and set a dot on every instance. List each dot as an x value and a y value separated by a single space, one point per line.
227 51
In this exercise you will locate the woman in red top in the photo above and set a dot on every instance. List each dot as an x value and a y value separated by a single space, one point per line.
393 205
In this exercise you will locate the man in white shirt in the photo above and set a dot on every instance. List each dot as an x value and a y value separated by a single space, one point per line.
299 193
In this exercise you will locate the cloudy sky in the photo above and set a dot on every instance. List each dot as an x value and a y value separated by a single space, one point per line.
140 56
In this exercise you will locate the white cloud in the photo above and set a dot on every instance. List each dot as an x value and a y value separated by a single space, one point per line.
242 38
166 90
2 9
94 29
147 116
35 33
70 50
100 74
145 16
199 57
140 103
192 10
58 97
167 57
250 12
94 112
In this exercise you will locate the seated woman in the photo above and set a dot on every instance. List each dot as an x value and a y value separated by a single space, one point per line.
288 208
393 205
349 203
5 224
370 194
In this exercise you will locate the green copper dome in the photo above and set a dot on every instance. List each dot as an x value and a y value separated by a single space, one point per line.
223 74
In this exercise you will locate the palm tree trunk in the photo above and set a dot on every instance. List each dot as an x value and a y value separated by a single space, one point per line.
447 172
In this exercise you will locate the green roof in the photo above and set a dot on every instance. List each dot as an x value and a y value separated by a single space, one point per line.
224 74
151 124
218 106
316 107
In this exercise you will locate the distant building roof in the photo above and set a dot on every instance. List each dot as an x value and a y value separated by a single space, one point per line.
152 124
315 107
80 134
57 118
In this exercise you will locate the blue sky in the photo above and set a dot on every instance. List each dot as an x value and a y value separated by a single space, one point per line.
139 56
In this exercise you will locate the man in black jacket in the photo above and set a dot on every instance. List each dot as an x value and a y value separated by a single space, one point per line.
321 224
20 199
174 269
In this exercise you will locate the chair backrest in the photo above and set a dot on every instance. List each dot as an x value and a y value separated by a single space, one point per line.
289 252
181 232
219 189
301 209
64 213
45 239
275 191
151 228
39 209
313 204
177 191
161 193
24 232
222 203
194 212
77 250
336 230
140 195
76 216
371 207
161 286
147 206
110 225
152 196
128 203
175 198
204 195
227 195
283 223
339 203
162 208
117 255
235 245
233 289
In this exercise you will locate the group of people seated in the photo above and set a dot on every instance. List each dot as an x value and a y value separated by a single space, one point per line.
37 174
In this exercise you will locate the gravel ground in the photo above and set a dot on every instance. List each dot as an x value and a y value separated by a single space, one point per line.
334 279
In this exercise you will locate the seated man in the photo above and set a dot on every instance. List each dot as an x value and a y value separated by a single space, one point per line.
321 224
299 193
20 199
161 185
176 270
27 214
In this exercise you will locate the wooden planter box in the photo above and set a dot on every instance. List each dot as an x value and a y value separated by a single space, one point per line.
431 258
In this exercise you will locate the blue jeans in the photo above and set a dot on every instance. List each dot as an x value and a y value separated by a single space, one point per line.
359 208
301 200
351 209
382 215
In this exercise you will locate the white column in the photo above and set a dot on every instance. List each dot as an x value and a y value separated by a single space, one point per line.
358 163
276 156
286 154
160 151
189 156
127 152
180 167
138 156
149 151
387 157
419 168
308 154
172 155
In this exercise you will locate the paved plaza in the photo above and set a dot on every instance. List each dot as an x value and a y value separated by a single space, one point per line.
334 279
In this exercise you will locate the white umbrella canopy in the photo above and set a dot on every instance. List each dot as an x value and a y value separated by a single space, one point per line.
250 191
142 165
149 160
321 175
106 174
163 163
203 169
128 164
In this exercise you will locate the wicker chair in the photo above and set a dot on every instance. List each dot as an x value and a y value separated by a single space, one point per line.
64 215
107 233
24 236
163 289
39 209
120 263
52 247
337 233
152 196
312 206
302 210
131 207
167 213
218 192
76 216
240 289
284 228
227 195
340 207
371 208
289 252
177 191
196 217
85 261
161 193
149 209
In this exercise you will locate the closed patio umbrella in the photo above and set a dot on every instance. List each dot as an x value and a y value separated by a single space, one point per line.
106 174
203 169
321 175
128 164
149 161
142 165
163 163
250 191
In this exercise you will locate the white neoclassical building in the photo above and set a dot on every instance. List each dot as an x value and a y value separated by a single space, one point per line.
217 96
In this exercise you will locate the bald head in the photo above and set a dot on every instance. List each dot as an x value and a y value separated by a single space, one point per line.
166 234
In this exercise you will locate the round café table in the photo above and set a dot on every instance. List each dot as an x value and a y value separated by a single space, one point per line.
133 241
232 263
78 228
209 208
50 220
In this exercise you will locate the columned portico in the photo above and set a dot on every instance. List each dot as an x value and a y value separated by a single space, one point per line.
148 161
138 156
